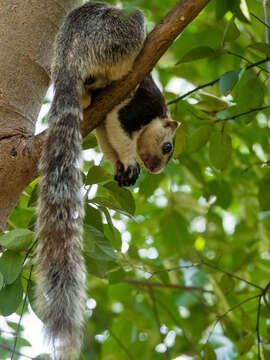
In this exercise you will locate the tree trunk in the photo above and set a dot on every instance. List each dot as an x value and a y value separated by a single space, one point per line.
27 30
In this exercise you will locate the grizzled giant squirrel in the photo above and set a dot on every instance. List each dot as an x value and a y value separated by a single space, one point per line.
96 44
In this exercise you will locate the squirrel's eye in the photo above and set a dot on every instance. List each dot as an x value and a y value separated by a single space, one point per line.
166 148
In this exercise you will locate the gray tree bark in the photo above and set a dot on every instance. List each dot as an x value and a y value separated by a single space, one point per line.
27 30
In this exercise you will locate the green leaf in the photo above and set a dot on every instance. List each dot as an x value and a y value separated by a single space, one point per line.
17 239
1 281
222 190
220 150
180 141
102 201
93 217
240 9
99 247
264 194
197 53
96 175
150 183
14 326
228 80
245 344
89 141
221 8
11 297
111 232
96 267
11 266
34 196
260 48
251 89
227 284
211 103
116 276
209 353
231 32
122 196
199 138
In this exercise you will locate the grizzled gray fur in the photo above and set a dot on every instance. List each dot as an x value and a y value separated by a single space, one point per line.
96 45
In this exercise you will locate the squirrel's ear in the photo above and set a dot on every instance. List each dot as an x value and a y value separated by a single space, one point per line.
172 124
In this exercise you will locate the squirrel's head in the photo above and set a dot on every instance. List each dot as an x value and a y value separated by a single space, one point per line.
155 144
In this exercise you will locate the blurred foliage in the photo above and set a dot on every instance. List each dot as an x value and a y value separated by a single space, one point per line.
180 263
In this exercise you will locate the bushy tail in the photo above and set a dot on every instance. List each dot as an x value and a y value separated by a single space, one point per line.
60 293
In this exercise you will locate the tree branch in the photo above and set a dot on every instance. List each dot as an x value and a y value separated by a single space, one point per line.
157 42
27 30
167 286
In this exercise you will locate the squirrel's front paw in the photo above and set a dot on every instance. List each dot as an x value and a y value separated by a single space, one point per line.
129 176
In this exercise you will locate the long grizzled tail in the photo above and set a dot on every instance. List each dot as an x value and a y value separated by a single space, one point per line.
60 292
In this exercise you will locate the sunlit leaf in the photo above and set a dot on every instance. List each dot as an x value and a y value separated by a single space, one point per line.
11 266
17 239
231 32
96 175
11 297
122 196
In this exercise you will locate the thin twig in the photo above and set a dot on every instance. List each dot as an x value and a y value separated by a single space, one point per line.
175 268
176 321
123 347
245 59
156 314
262 163
266 302
258 328
220 317
242 114
231 275
167 286
20 320
213 82
260 20
29 251
5 347
266 39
